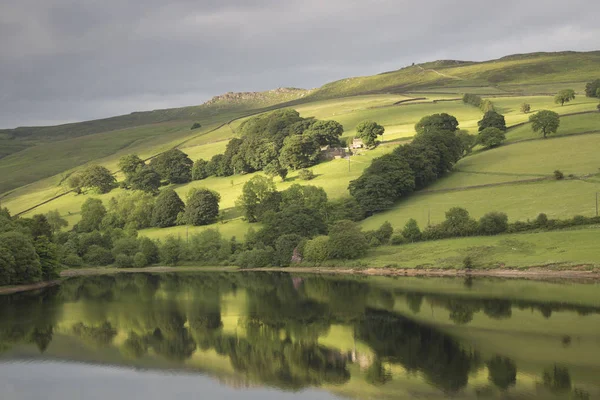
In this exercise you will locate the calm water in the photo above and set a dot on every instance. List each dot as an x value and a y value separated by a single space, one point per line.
279 336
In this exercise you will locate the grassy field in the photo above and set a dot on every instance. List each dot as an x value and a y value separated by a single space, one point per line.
571 247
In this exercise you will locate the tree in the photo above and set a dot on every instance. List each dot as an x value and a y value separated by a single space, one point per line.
92 213
325 132
304 196
174 166
411 231
202 206
344 208
491 137
368 132
592 88
502 372
423 158
373 193
346 241
39 226
564 96
306 175
131 210
493 223
525 108
167 207
99 178
75 183
458 223
199 170
436 122
171 251
255 193
299 151
291 220
195 125
284 248
19 249
56 221
48 255
317 250
149 249
545 121
145 179
130 163
492 119
7 265
468 141
274 169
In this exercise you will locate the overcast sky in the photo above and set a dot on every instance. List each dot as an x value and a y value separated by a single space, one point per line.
72 60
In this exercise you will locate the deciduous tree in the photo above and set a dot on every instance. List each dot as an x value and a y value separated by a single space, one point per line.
564 96
545 121
368 131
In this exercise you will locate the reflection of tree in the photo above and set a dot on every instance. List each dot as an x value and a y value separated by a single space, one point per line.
557 379
377 374
135 346
414 302
98 336
417 348
497 309
42 336
462 311
503 372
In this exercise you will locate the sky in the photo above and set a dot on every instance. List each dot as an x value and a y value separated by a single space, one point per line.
73 60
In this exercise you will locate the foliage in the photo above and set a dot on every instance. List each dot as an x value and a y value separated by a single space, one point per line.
167 207
492 119
304 197
131 210
149 249
368 131
140 260
545 121
195 125
558 175
344 208
491 137
199 170
130 163
525 108
209 247
299 151
18 259
48 255
284 248
145 179
493 223
171 251
94 177
502 372
274 169
125 245
317 250
123 261
592 88
458 223
92 213
564 96
255 197
468 141
472 99
411 231
436 123
98 256
174 166
306 175
346 241
325 132
202 206
291 220
255 258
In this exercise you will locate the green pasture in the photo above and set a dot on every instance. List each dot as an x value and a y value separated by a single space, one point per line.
569 125
574 247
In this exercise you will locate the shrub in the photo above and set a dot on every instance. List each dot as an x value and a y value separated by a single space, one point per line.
149 249
72 260
171 251
196 125
317 250
123 261
127 245
468 262
525 108
411 231
541 221
255 258
284 249
98 256
139 260
558 175
384 233
306 175
202 206
493 223
346 241
458 223
397 239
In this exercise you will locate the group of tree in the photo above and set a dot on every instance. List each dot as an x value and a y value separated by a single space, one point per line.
274 142
592 89
484 105
436 147
492 128
28 253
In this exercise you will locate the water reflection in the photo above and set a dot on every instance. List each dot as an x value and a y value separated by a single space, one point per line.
299 332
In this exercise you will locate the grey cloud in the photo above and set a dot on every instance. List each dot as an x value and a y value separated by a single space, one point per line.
64 60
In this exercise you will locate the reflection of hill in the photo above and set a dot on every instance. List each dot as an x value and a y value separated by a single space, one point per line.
267 329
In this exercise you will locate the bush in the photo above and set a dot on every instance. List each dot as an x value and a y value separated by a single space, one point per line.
458 223
346 241
541 221
127 245
468 262
525 108
256 258
123 261
384 233
195 125
306 175
171 251
139 260
149 249
493 223
284 249
397 240
98 256
558 175
411 231
72 260
317 250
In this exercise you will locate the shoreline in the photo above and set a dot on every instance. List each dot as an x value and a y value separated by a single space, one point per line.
581 273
